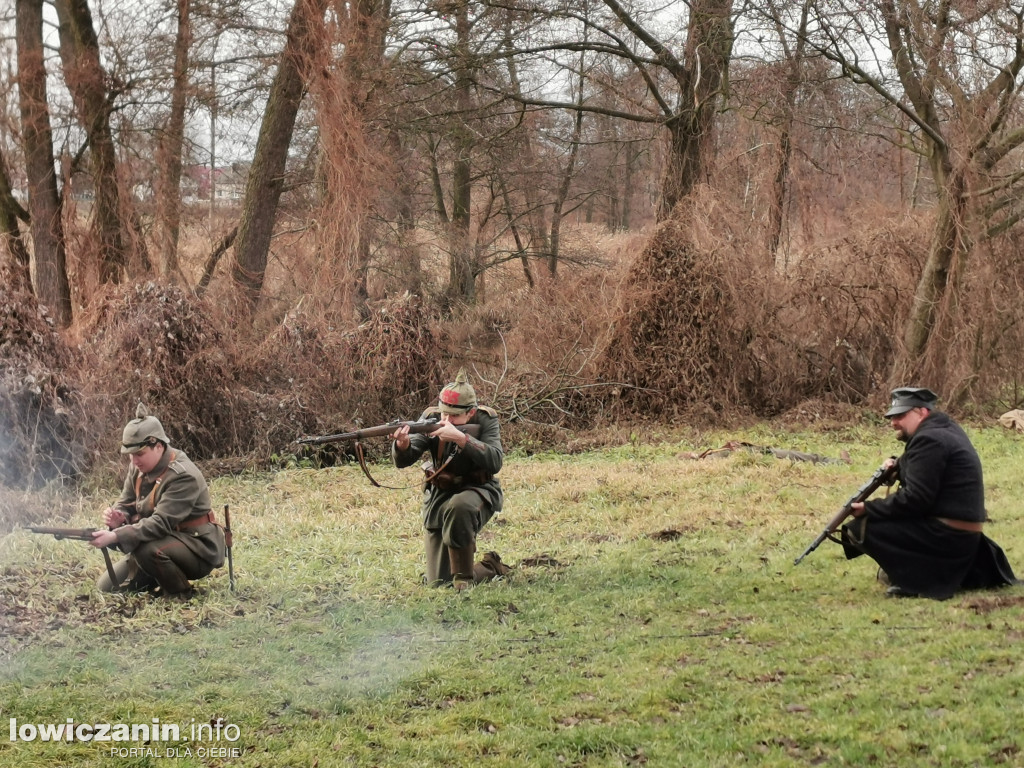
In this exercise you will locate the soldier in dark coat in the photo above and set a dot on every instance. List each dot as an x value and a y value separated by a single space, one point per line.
163 519
462 491
927 536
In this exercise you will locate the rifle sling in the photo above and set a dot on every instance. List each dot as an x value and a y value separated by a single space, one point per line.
110 570
361 457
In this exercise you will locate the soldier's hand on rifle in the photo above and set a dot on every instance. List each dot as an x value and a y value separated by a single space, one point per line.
102 539
857 508
401 437
448 431
114 518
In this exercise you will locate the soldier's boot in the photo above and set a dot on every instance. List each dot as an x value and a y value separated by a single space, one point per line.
438 573
130 578
461 561
490 567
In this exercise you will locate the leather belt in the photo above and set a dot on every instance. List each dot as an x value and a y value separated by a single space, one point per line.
962 525
195 522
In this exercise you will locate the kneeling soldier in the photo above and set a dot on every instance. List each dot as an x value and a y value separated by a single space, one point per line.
462 490
163 519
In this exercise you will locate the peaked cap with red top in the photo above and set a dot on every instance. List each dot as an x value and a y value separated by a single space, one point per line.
457 397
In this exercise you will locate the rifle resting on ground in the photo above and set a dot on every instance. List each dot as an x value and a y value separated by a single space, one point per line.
78 534
415 428
228 541
884 476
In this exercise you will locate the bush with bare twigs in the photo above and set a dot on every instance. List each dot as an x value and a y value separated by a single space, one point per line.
156 344
707 321
830 326
37 396
673 333
327 379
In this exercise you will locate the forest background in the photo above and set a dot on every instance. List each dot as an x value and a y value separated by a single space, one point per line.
267 220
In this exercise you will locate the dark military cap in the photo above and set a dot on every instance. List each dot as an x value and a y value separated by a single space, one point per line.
907 398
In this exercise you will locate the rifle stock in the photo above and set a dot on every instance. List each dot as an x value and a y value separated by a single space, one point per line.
882 477
78 534
415 427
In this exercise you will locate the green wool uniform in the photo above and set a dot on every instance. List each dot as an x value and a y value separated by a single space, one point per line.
464 496
171 536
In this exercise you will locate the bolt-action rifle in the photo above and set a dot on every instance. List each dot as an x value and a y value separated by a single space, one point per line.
884 476
78 534
228 540
415 428
422 426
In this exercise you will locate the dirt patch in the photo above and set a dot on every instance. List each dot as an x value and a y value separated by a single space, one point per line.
984 605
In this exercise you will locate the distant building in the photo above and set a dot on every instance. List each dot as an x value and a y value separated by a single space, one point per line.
228 182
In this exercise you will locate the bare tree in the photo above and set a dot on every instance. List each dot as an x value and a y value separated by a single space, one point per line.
570 170
10 232
266 177
50 273
168 178
684 88
87 82
954 71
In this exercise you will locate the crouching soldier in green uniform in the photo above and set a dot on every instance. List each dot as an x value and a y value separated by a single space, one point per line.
462 491
163 519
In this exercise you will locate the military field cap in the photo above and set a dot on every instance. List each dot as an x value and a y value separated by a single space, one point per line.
907 398
457 397
141 431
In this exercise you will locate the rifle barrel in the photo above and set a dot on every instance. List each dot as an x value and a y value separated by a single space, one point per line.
415 428
881 476
79 534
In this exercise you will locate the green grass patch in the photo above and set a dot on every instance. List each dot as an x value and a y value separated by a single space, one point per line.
655 617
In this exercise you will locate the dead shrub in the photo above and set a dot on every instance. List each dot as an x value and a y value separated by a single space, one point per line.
708 324
531 351
389 367
37 395
670 341
974 354
156 344
831 326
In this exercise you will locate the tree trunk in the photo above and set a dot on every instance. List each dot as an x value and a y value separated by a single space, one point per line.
10 231
567 177
791 82
168 188
691 135
627 186
411 266
460 272
931 288
85 78
51 277
539 243
266 176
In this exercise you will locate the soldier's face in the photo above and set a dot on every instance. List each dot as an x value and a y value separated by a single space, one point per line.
458 419
146 460
906 424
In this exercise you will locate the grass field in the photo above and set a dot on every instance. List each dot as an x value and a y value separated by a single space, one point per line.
654 617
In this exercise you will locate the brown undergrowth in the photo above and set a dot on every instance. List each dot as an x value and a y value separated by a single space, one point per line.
38 395
700 327
708 324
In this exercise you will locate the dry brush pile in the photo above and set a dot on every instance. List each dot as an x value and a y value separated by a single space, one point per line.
709 325
38 396
702 323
